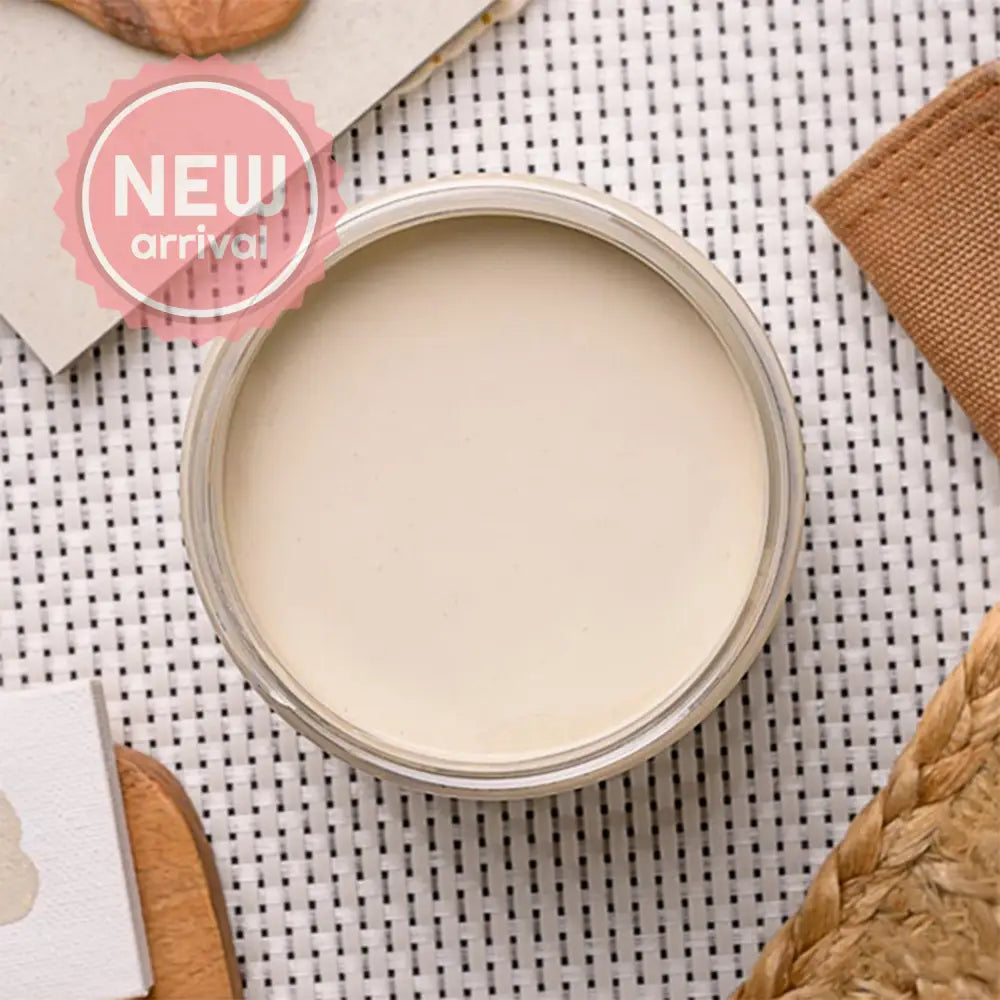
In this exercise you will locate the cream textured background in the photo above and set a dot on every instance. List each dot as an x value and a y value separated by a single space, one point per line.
361 48
723 117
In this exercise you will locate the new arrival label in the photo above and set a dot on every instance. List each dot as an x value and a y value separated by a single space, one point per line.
199 199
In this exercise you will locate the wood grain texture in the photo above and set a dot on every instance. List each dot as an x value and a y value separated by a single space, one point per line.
187 27
187 927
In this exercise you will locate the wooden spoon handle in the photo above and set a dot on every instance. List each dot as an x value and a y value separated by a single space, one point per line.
187 27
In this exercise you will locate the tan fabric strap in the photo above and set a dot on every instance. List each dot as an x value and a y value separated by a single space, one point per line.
920 213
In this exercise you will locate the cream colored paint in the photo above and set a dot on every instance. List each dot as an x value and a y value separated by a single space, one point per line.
495 491
18 875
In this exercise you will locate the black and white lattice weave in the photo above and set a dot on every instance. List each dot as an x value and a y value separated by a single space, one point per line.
723 117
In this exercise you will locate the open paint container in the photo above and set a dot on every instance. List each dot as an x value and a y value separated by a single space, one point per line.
510 503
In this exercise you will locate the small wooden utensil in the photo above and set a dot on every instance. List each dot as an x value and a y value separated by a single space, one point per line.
187 927
187 27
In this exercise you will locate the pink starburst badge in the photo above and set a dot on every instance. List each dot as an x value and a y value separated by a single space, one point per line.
199 199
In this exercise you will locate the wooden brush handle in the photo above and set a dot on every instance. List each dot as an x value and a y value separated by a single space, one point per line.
187 925
187 27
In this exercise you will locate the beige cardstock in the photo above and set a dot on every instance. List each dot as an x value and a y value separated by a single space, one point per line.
342 56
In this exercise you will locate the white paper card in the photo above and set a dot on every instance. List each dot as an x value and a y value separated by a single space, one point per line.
339 55
83 937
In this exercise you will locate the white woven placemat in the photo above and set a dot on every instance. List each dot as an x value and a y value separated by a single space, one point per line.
723 117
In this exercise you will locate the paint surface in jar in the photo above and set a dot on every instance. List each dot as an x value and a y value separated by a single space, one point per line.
495 492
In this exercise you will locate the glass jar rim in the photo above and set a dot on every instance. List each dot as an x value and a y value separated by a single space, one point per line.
743 338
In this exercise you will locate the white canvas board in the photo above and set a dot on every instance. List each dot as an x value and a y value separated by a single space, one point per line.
83 937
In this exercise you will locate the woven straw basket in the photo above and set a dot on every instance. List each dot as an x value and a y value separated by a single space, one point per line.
908 905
